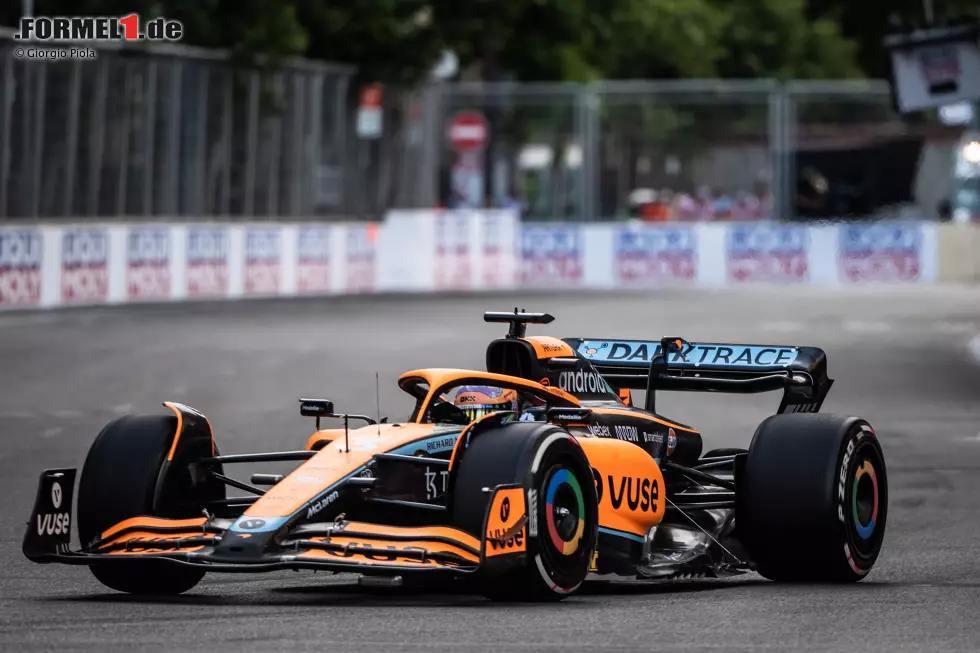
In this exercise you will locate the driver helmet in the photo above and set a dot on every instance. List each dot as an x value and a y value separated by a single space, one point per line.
479 400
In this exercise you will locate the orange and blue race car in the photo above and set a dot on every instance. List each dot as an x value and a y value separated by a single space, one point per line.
525 480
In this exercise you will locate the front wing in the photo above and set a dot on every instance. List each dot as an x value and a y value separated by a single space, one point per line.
339 546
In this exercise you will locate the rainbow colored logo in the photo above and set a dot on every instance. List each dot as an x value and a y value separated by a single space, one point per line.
865 530
560 478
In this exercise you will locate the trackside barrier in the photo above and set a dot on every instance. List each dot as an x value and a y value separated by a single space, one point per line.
51 266
959 253
626 255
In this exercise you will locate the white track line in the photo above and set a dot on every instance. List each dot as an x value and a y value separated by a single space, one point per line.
866 327
784 327
955 327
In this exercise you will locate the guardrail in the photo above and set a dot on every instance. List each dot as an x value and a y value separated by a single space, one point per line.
52 266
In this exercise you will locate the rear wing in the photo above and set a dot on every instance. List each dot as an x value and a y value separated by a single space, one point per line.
801 372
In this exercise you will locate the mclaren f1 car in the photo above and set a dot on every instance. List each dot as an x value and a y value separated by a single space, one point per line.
526 480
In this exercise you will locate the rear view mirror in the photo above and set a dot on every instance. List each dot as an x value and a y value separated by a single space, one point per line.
315 407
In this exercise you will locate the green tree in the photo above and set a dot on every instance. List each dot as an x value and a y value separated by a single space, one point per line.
867 23
578 40
776 39
389 40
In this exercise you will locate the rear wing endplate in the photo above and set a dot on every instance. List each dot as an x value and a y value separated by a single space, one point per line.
801 372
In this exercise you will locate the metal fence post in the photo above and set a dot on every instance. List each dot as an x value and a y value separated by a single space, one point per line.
296 139
38 141
340 138
8 104
74 93
313 145
251 143
149 140
790 132
22 171
275 147
97 136
201 170
122 190
589 175
426 192
778 148
170 188
226 138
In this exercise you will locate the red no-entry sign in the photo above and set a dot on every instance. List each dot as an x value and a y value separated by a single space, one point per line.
468 131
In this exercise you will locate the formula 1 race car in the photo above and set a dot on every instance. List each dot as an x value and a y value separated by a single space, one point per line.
524 480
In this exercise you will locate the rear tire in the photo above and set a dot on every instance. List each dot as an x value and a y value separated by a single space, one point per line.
813 498
505 455
119 481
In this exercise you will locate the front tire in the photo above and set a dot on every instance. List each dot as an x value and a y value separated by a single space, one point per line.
813 498
120 480
554 472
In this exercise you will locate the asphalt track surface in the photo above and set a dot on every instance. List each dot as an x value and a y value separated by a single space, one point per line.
900 356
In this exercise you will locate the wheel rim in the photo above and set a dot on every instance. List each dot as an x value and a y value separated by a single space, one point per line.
565 544
864 500
865 506
565 511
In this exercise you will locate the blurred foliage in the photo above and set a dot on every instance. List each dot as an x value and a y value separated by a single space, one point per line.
867 23
776 39
529 40
574 40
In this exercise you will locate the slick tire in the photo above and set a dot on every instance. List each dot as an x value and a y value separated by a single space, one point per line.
120 480
547 463
813 498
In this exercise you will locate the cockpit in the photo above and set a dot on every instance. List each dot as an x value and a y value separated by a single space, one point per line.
453 397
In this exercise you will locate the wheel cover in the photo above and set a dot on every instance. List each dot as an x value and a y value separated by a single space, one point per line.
565 511
567 539
864 509
864 500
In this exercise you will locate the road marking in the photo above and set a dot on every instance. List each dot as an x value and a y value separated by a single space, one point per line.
122 409
50 433
17 415
955 327
866 327
20 321
785 327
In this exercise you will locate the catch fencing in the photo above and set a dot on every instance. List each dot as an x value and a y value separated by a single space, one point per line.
175 133
169 131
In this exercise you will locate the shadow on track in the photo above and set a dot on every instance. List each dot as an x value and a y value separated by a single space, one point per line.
445 594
